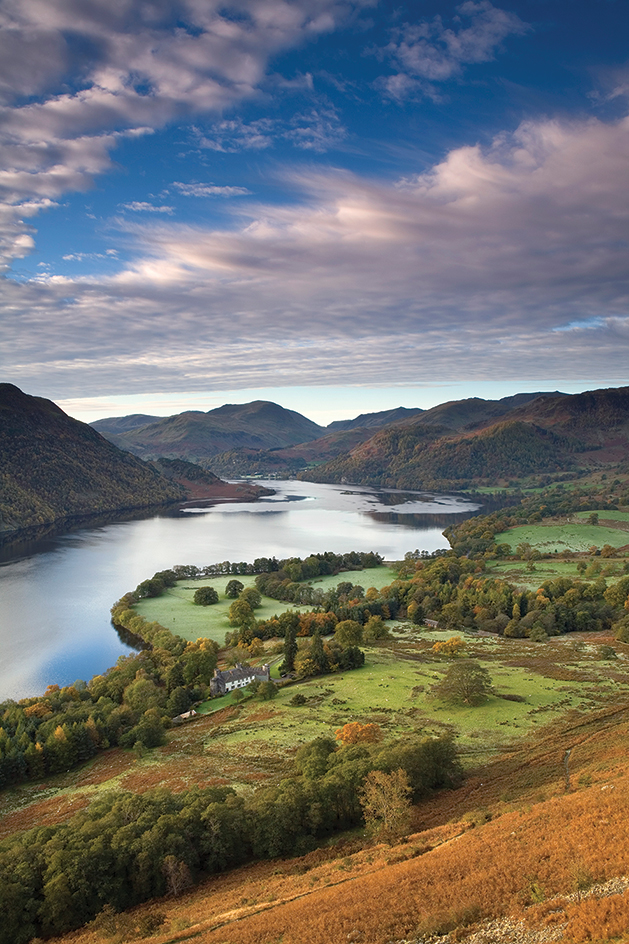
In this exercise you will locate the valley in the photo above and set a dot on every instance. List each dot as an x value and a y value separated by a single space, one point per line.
517 791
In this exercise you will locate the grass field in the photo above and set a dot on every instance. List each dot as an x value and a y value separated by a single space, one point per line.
175 610
516 572
604 515
393 690
563 537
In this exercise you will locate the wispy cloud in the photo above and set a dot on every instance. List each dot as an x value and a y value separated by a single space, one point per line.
317 129
209 190
74 77
427 52
138 206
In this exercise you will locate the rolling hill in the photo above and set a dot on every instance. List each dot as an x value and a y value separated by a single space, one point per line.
55 467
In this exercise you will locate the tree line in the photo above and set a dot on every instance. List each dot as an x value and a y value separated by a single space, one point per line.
126 848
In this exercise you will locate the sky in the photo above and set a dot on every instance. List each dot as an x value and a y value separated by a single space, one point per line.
340 205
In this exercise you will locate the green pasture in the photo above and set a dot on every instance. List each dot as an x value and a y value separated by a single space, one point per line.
604 515
175 610
392 689
562 537
516 571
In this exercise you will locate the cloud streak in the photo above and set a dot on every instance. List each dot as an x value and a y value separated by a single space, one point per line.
468 269
75 76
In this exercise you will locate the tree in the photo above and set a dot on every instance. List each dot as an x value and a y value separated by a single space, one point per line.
290 648
465 683
386 803
205 596
233 589
252 596
356 733
266 691
375 629
348 633
241 614
451 647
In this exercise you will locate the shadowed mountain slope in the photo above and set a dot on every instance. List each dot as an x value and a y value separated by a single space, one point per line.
550 434
54 466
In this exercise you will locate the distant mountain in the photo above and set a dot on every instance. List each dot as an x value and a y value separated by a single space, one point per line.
345 435
375 420
53 467
198 436
460 414
122 424
552 433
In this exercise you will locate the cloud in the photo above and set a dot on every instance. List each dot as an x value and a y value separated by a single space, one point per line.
466 269
232 135
138 207
317 129
428 52
75 76
209 190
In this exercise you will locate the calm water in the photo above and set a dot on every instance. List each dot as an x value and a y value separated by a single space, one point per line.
55 594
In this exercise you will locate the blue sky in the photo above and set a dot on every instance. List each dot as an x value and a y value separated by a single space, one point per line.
341 205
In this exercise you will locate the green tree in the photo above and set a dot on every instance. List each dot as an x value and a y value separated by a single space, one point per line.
241 614
348 633
465 683
290 648
233 589
252 597
205 596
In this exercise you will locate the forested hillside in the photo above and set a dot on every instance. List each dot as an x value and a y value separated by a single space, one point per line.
550 435
53 466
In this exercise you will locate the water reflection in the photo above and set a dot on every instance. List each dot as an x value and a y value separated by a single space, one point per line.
56 590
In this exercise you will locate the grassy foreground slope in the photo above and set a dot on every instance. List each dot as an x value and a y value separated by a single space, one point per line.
515 843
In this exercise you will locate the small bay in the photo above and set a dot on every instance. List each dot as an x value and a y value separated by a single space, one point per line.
56 592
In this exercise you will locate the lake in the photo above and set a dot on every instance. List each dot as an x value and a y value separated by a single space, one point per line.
56 593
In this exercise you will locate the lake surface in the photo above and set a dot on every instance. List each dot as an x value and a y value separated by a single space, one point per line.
56 593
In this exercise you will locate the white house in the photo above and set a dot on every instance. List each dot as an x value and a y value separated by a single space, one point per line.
239 677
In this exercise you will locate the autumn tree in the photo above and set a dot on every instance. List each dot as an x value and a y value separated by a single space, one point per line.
451 647
356 733
386 804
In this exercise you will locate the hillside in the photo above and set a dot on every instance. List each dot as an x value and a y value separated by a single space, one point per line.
376 420
290 460
53 467
549 435
122 424
462 414
198 436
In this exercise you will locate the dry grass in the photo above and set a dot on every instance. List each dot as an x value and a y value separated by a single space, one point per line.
510 835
